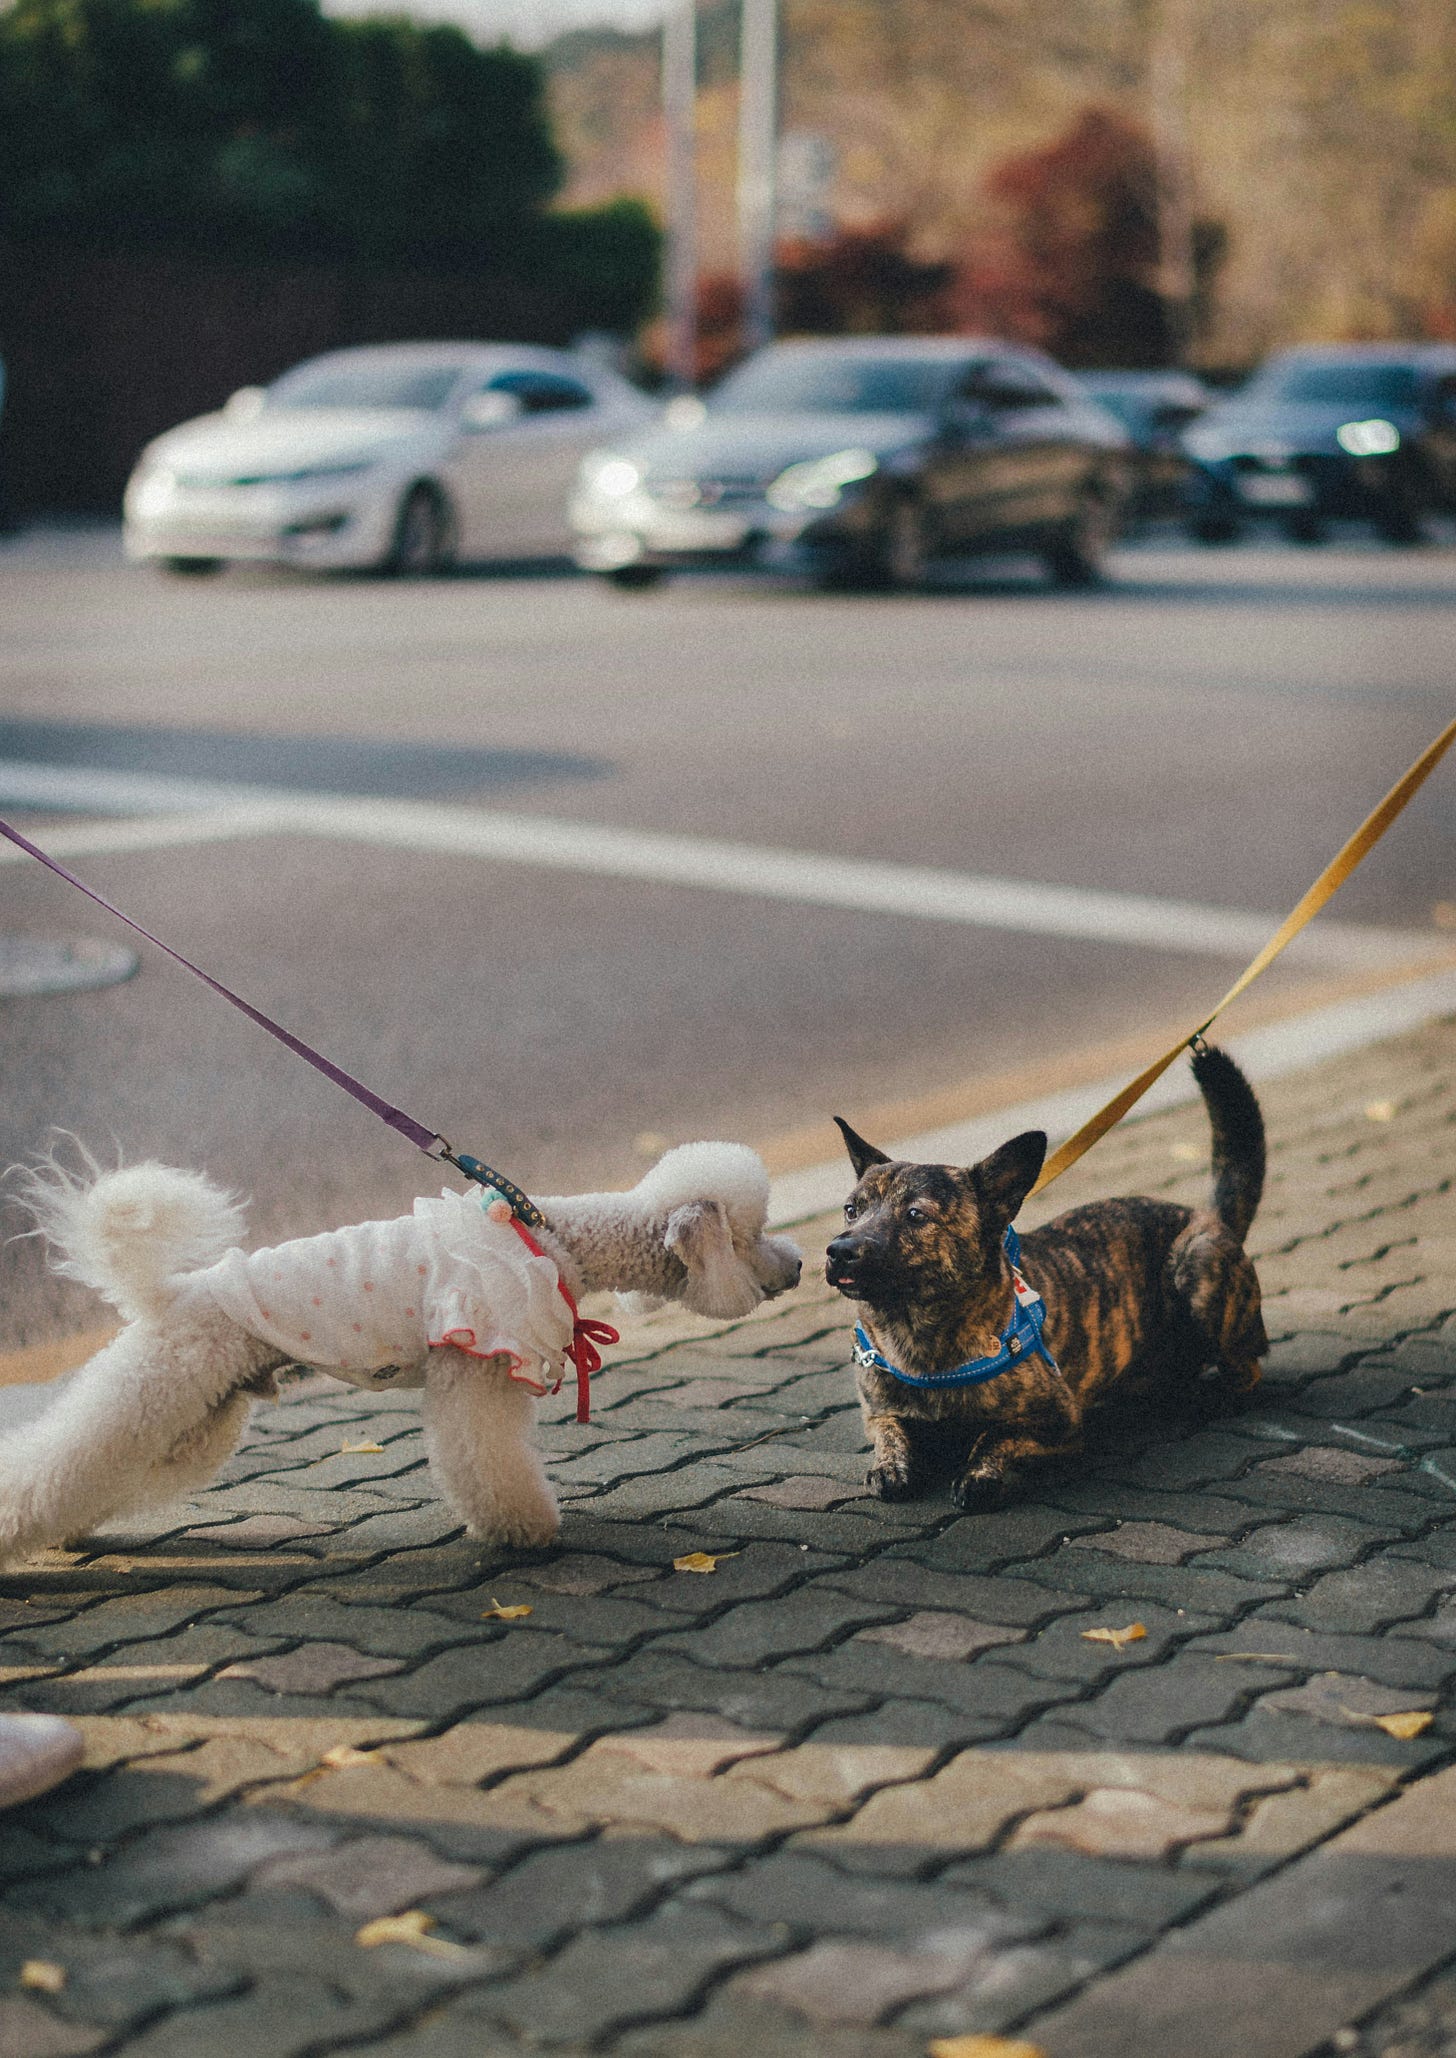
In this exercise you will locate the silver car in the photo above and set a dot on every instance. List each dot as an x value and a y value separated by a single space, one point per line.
400 457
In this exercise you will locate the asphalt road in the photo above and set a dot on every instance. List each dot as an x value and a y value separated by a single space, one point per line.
1204 730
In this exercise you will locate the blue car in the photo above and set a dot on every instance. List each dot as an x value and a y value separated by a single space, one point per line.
1338 432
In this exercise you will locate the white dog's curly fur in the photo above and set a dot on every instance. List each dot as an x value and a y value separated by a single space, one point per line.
152 1416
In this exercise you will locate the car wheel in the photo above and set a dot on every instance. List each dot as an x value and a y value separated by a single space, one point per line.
192 567
906 546
1078 557
421 545
635 578
1214 529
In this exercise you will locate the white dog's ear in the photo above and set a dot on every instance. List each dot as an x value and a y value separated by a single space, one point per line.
719 1283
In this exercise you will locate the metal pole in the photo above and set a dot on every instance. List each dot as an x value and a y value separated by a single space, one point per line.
1168 91
679 111
758 126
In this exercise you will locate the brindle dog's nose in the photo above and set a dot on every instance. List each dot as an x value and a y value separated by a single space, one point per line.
840 1258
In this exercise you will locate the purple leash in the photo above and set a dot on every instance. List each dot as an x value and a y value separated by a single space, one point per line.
428 1140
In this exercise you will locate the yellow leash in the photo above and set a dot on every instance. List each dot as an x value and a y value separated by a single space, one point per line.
1329 882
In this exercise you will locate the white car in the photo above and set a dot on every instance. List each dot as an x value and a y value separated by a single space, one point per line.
399 457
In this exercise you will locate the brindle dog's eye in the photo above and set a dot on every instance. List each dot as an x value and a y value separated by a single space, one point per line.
850 1211
914 1214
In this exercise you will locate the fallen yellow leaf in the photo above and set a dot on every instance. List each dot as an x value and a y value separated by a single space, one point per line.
496 1613
42 1976
361 1450
1380 1111
412 1929
984 2047
335 1761
702 1561
1404 1725
1133 1634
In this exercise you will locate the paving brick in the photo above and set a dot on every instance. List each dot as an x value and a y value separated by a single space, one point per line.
1396 1660
836 1982
614 1975
374 1631
1291 1550
171 1868
782 1701
1368 1597
1317 1945
901 1582
367 1876
1191 1586
1068 1885
1146 1543
506 1667
570 1887
801 1893
758 1631
27 2030
933 1633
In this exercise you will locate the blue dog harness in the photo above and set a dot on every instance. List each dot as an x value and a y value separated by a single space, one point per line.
1020 1339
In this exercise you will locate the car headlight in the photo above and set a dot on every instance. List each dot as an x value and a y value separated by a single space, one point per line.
820 481
1377 438
611 478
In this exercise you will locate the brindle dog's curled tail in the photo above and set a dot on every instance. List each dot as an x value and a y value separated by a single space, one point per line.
1238 1138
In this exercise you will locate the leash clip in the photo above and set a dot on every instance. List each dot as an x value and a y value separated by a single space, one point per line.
517 1200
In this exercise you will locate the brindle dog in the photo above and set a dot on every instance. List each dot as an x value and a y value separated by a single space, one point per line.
1141 1296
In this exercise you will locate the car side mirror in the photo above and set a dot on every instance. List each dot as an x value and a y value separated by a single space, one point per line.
492 409
246 404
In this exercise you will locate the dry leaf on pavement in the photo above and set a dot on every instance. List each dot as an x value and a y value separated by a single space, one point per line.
412 1928
496 1613
702 1561
361 1450
1403 1725
981 2046
1133 1634
42 1976
335 1761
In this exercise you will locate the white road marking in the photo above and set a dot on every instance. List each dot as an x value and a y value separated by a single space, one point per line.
169 812
1268 1053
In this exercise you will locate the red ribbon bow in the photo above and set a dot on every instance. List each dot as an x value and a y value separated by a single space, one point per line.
583 1353
585 1333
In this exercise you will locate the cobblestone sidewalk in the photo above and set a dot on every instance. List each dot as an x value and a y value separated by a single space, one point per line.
1159 1760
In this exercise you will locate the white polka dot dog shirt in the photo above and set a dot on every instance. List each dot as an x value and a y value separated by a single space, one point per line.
368 1303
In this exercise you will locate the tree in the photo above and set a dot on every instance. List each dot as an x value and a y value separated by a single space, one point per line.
1072 264
261 126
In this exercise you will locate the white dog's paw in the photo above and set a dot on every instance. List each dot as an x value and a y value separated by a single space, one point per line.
519 1532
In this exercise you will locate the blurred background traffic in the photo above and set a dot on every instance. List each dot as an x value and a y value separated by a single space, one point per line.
1163 199
1025 431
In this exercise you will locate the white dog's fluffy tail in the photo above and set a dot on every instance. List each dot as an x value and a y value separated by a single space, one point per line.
132 1232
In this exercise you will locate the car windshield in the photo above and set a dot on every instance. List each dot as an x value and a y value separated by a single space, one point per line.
425 387
791 382
1356 386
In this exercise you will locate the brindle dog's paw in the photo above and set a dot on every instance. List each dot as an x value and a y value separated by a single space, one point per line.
980 1490
891 1482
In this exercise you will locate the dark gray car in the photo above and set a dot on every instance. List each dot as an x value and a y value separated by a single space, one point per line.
860 462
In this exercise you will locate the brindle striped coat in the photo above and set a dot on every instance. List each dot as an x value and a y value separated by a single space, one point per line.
1140 1295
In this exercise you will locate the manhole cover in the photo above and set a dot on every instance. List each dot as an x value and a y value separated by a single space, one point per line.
70 964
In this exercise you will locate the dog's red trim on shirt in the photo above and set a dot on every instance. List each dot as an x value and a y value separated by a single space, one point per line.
586 1335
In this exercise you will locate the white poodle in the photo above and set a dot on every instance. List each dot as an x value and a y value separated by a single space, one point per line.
455 1298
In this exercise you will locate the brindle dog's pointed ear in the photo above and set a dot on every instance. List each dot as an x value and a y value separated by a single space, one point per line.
861 1154
1008 1175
